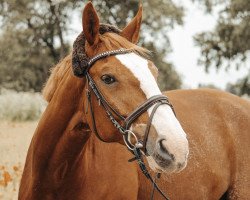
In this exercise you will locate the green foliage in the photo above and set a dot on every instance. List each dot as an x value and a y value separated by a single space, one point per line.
158 18
33 36
241 87
168 78
230 40
23 66
20 106
209 4
32 40
211 86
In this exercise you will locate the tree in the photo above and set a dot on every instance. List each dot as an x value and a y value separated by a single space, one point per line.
24 65
241 87
33 35
32 40
230 40
44 22
158 18
168 78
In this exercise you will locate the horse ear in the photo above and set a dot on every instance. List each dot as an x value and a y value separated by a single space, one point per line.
132 30
90 24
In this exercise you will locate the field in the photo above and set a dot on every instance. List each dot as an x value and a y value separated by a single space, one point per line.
15 138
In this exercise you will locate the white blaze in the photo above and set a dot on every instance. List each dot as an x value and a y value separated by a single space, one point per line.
164 121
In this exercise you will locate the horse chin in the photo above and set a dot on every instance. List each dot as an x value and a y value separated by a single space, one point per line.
159 166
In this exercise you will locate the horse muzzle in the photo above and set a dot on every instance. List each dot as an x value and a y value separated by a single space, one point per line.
164 154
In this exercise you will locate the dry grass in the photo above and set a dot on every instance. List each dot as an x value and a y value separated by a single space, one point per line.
20 106
14 142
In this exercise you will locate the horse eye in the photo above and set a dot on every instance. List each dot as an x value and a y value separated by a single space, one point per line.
108 79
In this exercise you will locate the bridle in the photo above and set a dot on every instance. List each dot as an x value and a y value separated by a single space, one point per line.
112 114
124 129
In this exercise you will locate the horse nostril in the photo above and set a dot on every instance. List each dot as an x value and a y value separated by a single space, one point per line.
164 150
180 165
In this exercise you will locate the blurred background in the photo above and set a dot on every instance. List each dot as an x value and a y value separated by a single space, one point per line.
195 43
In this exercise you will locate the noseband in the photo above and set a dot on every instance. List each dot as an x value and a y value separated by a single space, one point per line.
123 128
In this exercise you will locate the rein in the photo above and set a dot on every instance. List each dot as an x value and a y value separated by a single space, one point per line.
124 128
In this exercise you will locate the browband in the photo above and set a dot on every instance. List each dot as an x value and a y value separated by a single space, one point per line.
105 54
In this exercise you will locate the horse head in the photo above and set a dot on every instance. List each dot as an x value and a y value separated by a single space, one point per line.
122 95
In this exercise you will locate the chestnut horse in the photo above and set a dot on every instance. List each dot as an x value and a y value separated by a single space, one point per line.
67 161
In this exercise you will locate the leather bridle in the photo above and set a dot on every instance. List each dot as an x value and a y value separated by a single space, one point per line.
124 128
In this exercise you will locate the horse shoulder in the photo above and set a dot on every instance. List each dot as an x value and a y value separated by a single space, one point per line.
103 172
218 129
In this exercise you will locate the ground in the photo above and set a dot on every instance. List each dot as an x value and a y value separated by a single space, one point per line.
15 138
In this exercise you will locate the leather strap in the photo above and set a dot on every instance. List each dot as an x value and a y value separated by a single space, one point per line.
148 127
101 98
105 54
93 117
143 107
111 112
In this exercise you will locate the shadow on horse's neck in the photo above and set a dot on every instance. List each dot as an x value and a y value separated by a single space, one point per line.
60 135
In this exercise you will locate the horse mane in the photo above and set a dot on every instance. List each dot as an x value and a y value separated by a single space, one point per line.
71 62
57 74
110 38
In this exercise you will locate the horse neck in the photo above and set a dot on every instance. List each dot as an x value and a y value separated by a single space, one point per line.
58 139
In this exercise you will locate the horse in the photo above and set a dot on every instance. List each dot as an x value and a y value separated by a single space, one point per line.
66 160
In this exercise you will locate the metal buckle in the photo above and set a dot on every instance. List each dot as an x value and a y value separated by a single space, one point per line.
131 146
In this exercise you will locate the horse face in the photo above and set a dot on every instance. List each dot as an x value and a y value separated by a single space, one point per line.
126 81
